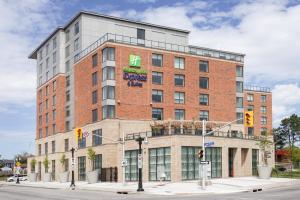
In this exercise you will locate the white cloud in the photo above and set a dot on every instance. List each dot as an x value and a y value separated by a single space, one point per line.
286 100
141 1
22 25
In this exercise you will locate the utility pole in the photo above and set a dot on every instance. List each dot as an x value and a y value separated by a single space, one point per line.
203 159
140 164
18 170
123 161
73 163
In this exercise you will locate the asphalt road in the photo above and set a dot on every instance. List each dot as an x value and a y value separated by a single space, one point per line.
8 192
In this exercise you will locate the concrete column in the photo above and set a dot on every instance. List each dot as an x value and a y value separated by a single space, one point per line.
175 160
145 152
225 159
237 162
246 162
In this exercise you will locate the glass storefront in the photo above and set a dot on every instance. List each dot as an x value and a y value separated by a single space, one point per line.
81 168
131 168
255 161
159 162
214 155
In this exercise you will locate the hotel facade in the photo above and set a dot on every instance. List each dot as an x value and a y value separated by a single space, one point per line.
113 77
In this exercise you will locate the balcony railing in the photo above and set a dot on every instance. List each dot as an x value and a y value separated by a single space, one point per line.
190 132
256 88
201 51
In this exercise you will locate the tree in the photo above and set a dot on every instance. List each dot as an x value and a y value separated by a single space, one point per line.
91 156
23 157
63 160
287 134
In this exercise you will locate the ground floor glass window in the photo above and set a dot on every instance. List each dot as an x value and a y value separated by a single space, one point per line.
190 163
255 160
131 168
159 160
81 168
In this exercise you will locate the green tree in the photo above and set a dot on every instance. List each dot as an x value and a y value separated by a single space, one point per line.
23 157
91 156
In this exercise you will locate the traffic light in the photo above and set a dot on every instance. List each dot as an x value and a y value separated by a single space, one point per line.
249 118
78 133
200 154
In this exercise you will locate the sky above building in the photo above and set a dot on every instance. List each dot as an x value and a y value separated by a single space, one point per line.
266 31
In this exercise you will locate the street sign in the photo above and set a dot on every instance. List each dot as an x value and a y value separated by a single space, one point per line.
204 162
18 164
85 134
73 161
124 163
140 161
18 169
209 144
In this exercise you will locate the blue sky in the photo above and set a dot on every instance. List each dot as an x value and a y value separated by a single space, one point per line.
266 31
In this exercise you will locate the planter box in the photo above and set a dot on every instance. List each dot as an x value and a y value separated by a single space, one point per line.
264 172
92 177
47 177
32 177
64 177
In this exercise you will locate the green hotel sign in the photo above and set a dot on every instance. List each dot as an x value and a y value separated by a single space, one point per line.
135 61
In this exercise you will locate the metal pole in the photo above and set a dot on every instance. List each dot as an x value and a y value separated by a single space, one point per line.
140 186
203 159
73 178
18 180
123 163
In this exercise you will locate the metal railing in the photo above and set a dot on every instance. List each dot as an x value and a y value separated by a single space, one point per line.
191 132
201 51
256 88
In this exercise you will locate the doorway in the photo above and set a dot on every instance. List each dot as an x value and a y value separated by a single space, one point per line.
231 155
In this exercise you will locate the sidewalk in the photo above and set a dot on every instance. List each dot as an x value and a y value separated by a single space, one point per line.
219 186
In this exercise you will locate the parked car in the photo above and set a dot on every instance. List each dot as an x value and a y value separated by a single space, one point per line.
22 177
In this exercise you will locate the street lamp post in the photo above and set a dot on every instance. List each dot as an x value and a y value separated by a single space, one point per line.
73 163
140 164
18 180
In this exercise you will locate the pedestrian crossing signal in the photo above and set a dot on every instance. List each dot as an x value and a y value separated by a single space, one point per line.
249 118
78 133
200 154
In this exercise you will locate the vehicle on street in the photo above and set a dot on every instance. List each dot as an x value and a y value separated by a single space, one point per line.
22 177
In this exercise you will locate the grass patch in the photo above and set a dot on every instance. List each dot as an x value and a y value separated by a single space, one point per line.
286 174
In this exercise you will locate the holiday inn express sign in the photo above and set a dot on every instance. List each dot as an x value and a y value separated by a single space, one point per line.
133 74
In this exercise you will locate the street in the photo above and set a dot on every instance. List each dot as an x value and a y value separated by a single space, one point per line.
11 192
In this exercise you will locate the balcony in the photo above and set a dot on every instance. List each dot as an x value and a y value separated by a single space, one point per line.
194 50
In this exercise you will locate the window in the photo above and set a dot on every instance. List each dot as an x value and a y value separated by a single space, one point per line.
97 137
239 71
67 81
82 168
76 44
47 63
157 113
53 115
54 57
204 99
66 166
47 75
255 161
54 85
204 115
203 82
40 80
108 112
46 148
250 97
76 28
68 111
250 131
53 129
157 60
47 131
67 51
159 158
94 115
47 118
97 164
108 92
66 145
40 120
53 146
140 34
41 93
190 163
131 169
68 96
67 64
239 86
94 79
95 60
54 70
263 109
179 114
41 107
94 97
263 120
46 104
40 133
179 80
41 68
157 95
203 66
47 90
67 124
263 98
179 63
41 54
54 43
214 155
108 54
250 108
240 115
179 97
108 73
40 149
52 170
239 102
67 36
263 131
157 78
